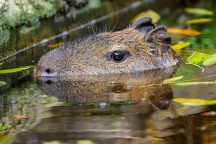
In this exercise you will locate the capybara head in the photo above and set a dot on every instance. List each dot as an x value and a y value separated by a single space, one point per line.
140 47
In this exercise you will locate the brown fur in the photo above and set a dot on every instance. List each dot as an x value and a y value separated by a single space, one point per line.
87 56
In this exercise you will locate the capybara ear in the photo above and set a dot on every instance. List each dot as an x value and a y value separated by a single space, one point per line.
144 24
159 36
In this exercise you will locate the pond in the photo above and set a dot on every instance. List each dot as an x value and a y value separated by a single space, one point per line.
144 107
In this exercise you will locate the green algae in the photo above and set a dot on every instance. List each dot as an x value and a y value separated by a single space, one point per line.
18 12
28 14
10 14
45 9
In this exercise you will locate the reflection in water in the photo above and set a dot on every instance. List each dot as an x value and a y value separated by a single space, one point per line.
113 123
116 109
112 88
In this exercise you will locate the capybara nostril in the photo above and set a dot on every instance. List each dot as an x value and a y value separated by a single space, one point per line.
166 39
48 71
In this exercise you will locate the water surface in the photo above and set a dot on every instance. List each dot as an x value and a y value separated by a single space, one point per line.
117 109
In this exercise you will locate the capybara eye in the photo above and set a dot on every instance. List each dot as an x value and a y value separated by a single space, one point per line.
118 55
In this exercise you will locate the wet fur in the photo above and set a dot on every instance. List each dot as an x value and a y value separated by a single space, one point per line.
87 56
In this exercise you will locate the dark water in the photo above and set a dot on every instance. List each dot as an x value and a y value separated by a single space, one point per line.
131 109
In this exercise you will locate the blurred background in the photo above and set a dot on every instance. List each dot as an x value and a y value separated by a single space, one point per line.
109 109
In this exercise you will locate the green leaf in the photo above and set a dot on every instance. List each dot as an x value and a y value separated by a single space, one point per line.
199 11
171 80
194 83
196 60
210 61
204 56
16 69
201 20
181 45
2 127
2 83
199 57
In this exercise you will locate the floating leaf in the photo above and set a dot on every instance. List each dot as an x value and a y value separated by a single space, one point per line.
85 142
150 13
195 60
16 69
199 11
202 55
181 45
183 31
187 101
2 127
201 20
198 57
211 113
194 83
171 80
2 83
19 116
210 61
7 137
54 142
55 45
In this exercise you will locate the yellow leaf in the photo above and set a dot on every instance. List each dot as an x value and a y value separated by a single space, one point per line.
171 80
212 102
183 31
55 45
199 11
201 20
3 137
150 13
2 83
85 142
180 46
194 83
54 142
187 101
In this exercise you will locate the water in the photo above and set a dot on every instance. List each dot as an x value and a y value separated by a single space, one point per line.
133 108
